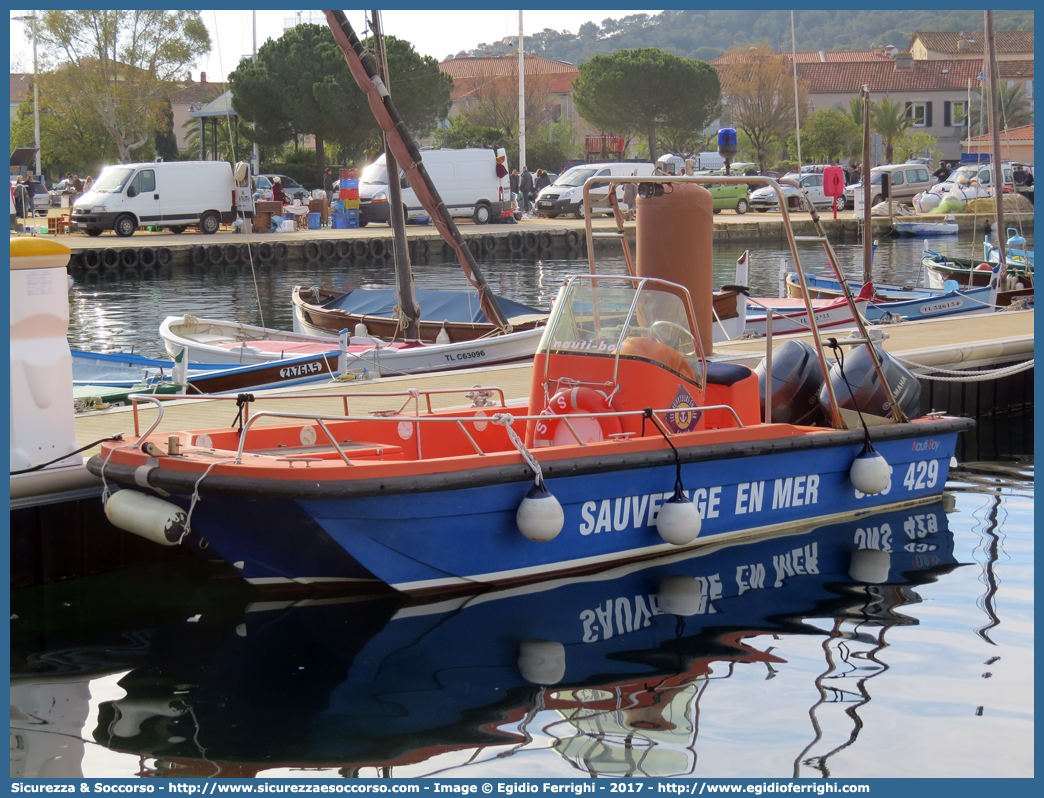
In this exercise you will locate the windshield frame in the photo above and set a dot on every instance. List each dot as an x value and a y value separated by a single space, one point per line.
107 182
571 178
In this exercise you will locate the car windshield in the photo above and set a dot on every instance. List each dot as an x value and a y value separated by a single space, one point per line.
969 172
375 173
113 179
577 176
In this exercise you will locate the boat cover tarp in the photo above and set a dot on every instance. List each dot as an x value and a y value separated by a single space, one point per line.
436 305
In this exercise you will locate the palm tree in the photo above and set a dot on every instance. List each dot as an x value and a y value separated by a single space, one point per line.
891 121
1013 109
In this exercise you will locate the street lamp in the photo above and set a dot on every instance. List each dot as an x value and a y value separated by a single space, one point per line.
36 92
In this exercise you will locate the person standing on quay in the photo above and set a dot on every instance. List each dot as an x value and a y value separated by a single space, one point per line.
328 181
525 186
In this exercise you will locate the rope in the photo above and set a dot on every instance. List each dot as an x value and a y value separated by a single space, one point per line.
506 420
647 413
117 437
966 376
196 497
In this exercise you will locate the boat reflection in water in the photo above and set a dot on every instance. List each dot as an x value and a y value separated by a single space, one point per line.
608 670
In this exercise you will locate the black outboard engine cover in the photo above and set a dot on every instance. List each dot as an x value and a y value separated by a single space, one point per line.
797 377
870 395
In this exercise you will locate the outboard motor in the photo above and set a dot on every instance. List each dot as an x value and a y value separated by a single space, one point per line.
797 378
869 395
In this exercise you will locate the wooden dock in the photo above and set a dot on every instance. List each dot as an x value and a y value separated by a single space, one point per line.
963 343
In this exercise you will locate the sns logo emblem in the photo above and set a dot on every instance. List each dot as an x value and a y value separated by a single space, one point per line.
685 420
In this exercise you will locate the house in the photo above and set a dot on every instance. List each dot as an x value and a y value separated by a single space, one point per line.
935 92
935 89
1011 45
480 81
187 98
1016 144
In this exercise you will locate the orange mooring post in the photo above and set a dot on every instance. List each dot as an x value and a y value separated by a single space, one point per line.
674 242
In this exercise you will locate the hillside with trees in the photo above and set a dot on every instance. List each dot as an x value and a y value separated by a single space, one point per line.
705 35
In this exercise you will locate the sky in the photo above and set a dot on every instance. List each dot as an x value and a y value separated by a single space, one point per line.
437 33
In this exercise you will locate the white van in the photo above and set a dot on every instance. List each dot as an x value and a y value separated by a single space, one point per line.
466 181
566 194
174 194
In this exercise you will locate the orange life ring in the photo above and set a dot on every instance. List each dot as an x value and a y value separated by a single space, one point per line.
649 349
575 400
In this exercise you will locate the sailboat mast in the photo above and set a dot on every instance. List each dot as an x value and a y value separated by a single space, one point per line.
521 98
998 172
405 148
409 310
868 249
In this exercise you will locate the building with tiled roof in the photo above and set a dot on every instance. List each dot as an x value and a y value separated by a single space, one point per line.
813 57
473 77
1010 45
934 90
191 97
1016 144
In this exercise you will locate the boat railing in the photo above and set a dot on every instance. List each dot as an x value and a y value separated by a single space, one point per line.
458 421
792 240
478 393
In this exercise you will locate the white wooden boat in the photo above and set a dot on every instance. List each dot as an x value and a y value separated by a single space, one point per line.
948 227
215 341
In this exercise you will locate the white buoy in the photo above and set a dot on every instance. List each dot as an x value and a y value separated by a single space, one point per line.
540 517
870 566
361 331
148 516
870 473
680 595
541 661
443 336
678 521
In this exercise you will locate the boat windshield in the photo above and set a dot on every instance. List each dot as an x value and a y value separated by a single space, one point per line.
594 315
112 180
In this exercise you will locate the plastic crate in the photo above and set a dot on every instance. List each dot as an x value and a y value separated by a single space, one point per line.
314 221
351 224
352 214
351 204
349 193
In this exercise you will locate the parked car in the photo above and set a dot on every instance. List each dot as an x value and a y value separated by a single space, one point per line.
170 194
293 189
566 194
764 199
981 172
466 180
729 197
907 180
41 200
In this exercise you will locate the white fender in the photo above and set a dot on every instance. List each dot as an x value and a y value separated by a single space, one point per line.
870 566
870 473
540 516
148 516
680 595
541 661
678 521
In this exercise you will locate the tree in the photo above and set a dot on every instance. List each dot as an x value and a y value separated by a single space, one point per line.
916 144
493 101
759 93
301 84
118 65
830 134
69 142
1013 109
637 92
891 120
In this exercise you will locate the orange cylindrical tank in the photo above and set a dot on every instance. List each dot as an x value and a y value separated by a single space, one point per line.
674 242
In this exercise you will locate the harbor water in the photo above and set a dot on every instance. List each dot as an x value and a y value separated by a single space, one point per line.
896 645
899 644
121 310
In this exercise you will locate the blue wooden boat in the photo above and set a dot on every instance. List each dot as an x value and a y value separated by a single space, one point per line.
630 445
113 376
618 661
903 303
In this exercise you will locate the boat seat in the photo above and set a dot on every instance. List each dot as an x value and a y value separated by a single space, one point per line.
213 338
726 373
354 450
